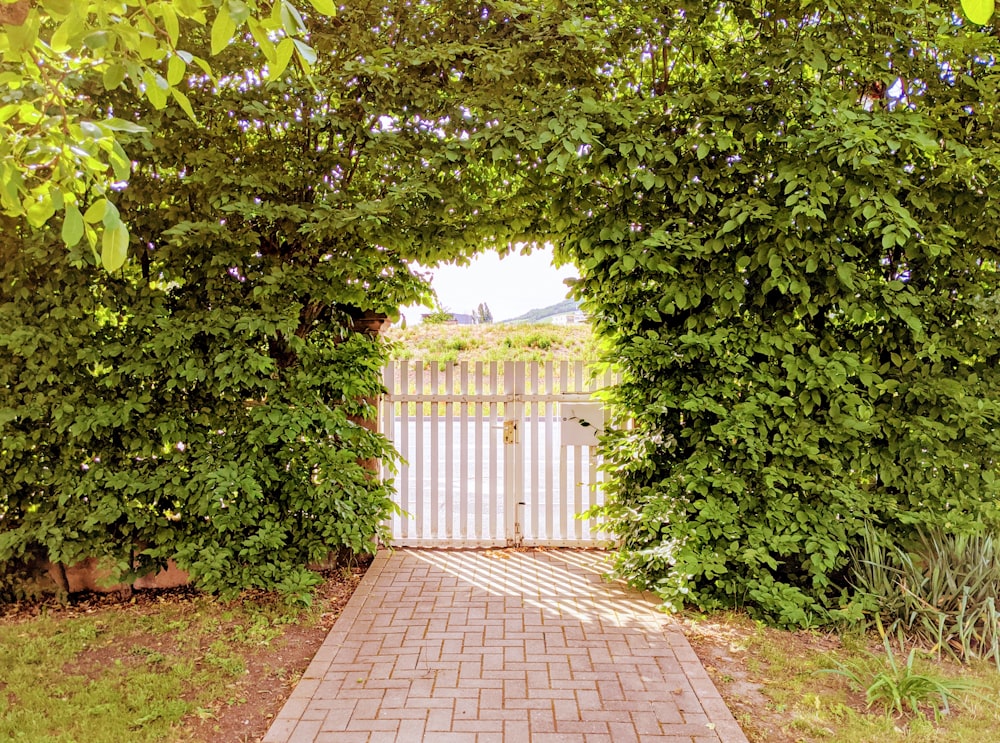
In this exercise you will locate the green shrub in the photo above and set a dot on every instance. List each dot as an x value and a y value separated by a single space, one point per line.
203 402
799 290
147 422
459 344
439 316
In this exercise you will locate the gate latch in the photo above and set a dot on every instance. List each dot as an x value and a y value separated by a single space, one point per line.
510 432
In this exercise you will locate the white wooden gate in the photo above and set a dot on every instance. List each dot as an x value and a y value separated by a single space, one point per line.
488 453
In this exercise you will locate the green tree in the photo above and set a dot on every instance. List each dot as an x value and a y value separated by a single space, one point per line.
201 402
57 151
789 241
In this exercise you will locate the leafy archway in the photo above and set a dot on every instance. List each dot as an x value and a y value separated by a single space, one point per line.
785 219
200 402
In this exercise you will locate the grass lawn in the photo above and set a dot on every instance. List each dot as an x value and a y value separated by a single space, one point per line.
163 666
775 684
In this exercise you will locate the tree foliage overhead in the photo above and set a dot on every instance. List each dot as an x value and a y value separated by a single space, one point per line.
785 217
57 149
200 403
791 242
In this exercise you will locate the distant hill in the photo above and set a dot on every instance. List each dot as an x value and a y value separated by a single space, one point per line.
544 313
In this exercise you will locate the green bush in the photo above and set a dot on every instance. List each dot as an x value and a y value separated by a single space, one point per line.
176 420
781 243
203 403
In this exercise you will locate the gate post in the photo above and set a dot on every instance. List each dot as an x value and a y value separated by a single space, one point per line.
513 455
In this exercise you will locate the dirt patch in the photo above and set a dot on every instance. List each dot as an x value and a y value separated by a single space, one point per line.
729 647
273 671
88 602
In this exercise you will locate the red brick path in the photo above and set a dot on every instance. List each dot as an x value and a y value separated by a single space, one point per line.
483 646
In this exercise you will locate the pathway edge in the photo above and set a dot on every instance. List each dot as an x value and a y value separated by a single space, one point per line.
288 717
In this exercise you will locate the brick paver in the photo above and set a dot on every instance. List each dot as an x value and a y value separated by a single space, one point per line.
481 646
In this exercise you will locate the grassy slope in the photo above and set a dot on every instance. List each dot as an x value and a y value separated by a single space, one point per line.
458 343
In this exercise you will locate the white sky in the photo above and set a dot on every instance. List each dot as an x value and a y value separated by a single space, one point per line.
510 286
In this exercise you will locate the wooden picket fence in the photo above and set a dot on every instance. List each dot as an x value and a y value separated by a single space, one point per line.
492 453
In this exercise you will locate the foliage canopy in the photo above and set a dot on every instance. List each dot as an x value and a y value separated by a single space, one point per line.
791 244
200 403
785 216
58 150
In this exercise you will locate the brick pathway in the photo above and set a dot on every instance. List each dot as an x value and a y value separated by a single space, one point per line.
478 646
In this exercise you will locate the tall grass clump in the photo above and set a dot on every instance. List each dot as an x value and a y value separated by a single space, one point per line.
900 687
940 590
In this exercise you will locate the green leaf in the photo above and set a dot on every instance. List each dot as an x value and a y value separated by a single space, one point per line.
95 213
97 40
120 163
184 103
326 7
238 11
175 70
73 226
223 29
979 11
60 41
111 216
114 250
58 8
283 54
264 43
40 211
306 53
156 89
291 19
170 22
121 125
113 76
846 275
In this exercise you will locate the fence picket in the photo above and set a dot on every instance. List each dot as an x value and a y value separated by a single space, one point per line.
479 453
435 459
404 473
534 452
550 421
494 454
463 493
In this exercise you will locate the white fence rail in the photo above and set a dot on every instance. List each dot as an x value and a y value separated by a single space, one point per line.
487 459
